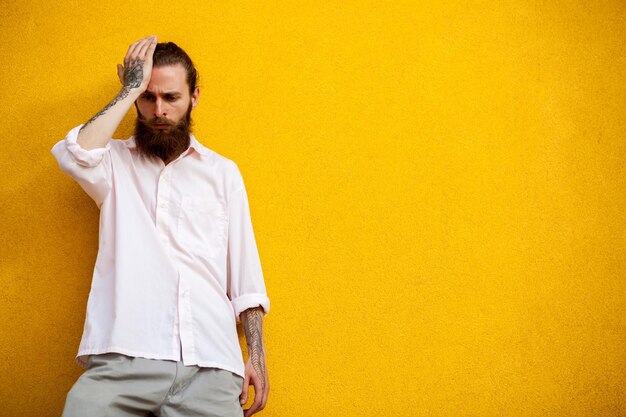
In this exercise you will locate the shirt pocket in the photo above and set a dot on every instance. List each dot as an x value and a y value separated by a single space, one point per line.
202 226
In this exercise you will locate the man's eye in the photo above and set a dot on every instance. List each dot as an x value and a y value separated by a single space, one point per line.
171 98
148 98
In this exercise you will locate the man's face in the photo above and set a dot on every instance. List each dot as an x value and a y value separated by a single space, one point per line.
164 114
167 98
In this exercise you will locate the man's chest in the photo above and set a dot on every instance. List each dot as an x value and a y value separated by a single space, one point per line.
186 200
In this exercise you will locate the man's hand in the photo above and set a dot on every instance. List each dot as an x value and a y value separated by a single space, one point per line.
137 67
135 77
255 371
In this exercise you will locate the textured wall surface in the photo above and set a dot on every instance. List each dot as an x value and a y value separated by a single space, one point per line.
437 190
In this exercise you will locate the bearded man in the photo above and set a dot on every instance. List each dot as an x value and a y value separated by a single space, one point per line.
177 264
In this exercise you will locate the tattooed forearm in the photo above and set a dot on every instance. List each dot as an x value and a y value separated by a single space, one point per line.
252 320
121 95
133 75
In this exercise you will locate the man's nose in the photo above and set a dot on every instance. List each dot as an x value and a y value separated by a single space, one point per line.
159 108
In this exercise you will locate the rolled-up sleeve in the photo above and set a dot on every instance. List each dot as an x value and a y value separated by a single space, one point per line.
90 168
247 286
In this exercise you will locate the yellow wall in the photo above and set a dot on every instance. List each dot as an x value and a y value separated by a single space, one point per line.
437 191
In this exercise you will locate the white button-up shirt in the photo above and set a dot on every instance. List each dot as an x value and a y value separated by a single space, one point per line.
177 260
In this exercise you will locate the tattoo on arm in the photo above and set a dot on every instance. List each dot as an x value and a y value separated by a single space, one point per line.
252 320
133 75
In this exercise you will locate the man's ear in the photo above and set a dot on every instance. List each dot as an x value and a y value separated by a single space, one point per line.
195 97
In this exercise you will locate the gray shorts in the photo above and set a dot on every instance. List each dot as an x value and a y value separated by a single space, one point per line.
120 385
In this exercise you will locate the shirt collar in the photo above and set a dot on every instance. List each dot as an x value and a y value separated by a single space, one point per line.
197 146
193 143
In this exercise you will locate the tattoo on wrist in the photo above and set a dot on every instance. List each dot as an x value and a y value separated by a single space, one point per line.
253 325
133 75
120 96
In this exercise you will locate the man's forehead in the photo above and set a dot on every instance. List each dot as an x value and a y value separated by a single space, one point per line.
168 78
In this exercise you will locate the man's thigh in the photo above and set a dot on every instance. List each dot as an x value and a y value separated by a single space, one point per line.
210 392
119 385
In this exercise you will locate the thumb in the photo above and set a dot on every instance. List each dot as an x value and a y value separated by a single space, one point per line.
244 391
120 73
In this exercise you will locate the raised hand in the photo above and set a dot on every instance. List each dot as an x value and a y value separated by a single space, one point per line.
137 69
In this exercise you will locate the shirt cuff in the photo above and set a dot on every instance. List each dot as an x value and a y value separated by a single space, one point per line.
84 157
247 301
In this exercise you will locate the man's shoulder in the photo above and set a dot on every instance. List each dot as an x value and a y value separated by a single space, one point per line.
226 168
221 161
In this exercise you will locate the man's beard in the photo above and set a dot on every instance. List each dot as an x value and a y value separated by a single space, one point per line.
165 144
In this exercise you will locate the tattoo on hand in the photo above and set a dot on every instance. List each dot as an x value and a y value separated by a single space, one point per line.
253 325
133 75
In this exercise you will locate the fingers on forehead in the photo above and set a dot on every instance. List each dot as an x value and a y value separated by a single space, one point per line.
135 48
144 49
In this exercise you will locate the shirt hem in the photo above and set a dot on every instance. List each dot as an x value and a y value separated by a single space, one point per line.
82 358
